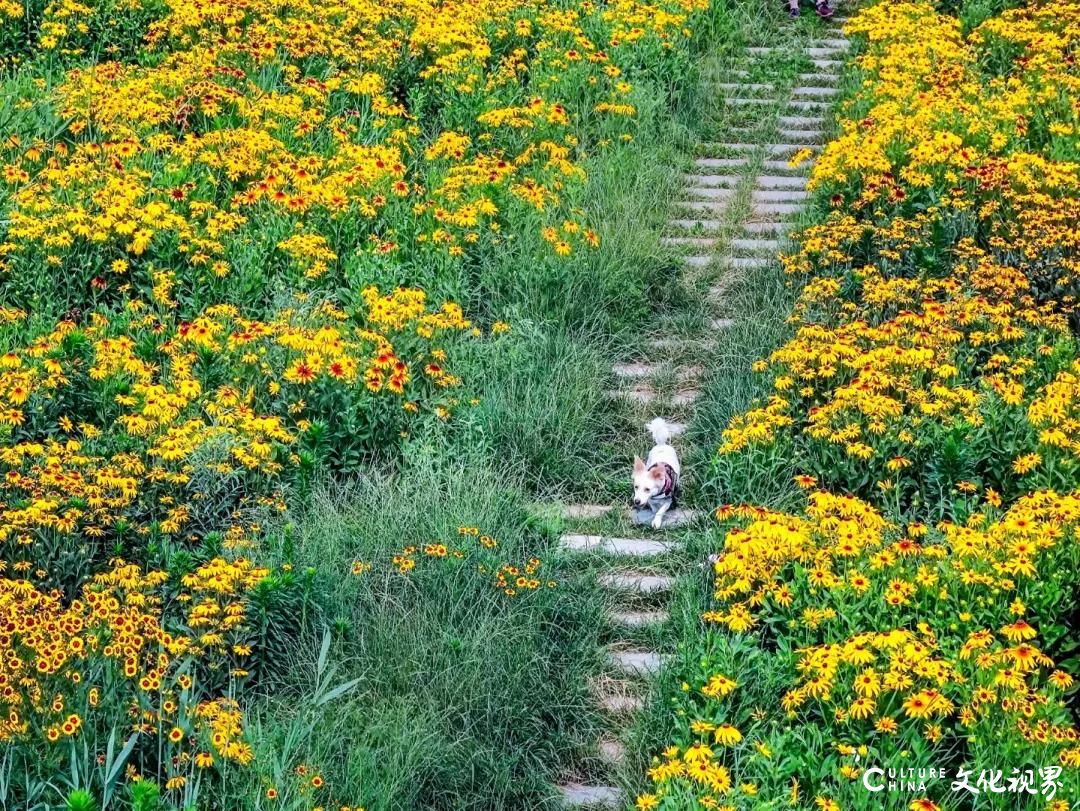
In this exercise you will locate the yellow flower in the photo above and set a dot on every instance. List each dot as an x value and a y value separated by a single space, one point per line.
727 735
886 725
718 686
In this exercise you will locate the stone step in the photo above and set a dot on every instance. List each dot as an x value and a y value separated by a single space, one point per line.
787 150
818 78
781 182
713 181
720 163
590 512
621 704
690 242
812 52
802 137
779 195
706 206
699 261
718 324
765 226
671 519
667 344
752 133
730 86
690 225
716 295
647 395
642 370
769 211
782 166
638 619
832 42
623 547
612 751
748 262
745 74
642 394
579 795
639 582
636 662
680 517
801 122
807 105
810 91
755 245
710 192
741 148
585 511
827 65
747 102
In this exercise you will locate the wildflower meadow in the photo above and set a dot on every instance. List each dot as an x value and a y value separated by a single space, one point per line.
325 332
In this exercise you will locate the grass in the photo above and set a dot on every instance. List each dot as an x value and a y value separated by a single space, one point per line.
464 697
760 302
540 407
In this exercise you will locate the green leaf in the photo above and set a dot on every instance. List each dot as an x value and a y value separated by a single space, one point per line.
340 690
324 652
114 767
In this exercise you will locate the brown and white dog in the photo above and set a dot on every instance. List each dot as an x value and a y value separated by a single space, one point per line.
656 480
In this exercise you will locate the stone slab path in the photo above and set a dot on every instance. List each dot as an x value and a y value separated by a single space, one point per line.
738 201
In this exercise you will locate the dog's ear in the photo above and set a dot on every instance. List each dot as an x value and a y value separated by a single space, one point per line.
639 466
657 473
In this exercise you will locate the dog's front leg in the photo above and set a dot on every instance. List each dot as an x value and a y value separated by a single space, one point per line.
658 519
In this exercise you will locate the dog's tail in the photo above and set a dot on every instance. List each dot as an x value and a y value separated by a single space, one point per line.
661 433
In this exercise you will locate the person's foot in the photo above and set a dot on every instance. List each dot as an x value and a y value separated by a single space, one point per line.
793 12
824 10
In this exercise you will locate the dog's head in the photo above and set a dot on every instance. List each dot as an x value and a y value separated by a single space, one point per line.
647 483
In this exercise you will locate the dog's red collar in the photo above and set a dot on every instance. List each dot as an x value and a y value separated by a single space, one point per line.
671 479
